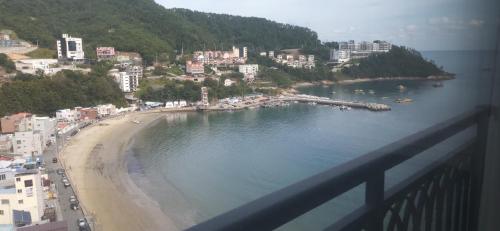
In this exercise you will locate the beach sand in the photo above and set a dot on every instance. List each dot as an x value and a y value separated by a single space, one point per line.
95 160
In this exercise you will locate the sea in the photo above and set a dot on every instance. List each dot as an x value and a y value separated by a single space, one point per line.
200 165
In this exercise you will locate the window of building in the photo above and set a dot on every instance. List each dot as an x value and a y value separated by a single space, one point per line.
18 179
19 191
20 202
1 212
5 202
2 177
28 183
18 142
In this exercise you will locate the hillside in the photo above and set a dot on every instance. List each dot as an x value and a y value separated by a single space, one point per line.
144 26
399 62
66 89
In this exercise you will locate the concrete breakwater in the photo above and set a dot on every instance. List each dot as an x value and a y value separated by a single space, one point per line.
327 101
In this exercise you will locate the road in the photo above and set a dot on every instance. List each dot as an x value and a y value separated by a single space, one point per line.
63 194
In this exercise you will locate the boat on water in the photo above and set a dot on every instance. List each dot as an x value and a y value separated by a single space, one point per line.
359 91
438 84
404 100
372 92
344 108
401 87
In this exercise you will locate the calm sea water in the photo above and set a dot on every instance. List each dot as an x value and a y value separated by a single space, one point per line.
199 165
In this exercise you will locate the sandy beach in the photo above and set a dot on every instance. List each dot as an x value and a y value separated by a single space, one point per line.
95 162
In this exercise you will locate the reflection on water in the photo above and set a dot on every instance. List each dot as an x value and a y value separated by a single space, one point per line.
198 165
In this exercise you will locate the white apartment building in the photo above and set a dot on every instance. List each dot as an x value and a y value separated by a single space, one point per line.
249 69
123 81
28 143
46 126
67 115
358 50
136 71
69 48
271 54
106 110
24 195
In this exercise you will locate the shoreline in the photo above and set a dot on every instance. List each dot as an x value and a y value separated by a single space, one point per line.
366 80
96 162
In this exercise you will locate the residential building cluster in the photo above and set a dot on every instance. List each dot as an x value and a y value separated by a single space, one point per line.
249 71
238 55
358 50
128 67
26 135
295 61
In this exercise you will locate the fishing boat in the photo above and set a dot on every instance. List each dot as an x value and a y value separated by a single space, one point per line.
405 100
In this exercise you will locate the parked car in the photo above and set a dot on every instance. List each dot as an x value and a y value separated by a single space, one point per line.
60 171
82 224
74 206
73 200
54 160
66 184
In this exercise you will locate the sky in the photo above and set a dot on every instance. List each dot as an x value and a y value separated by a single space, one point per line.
420 24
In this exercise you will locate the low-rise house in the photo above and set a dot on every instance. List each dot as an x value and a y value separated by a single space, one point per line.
34 66
106 110
228 83
194 68
67 115
87 113
105 53
128 56
16 122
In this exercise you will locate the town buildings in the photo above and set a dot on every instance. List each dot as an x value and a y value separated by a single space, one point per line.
194 68
67 115
6 39
105 53
70 49
238 55
249 72
26 135
294 61
358 50
21 196
34 66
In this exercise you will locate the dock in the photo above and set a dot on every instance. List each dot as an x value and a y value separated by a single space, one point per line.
331 102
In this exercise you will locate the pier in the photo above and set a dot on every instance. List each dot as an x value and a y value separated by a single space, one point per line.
331 102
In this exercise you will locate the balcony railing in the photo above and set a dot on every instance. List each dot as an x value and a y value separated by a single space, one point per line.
443 195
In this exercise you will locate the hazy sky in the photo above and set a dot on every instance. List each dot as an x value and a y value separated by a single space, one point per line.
422 24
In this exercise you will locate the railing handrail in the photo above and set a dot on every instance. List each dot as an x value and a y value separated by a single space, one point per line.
278 208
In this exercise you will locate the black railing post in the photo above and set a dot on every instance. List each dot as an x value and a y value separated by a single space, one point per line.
374 198
477 168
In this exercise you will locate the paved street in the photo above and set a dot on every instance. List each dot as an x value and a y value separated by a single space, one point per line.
63 194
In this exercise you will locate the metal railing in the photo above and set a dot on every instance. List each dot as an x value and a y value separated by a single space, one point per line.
444 195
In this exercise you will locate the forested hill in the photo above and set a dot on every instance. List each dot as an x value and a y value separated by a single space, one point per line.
144 26
399 62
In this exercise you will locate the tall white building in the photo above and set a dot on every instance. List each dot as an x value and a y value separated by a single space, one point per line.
28 143
46 126
123 81
67 115
69 48
24 196
249 69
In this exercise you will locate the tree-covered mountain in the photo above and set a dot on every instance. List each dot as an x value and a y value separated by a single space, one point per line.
67 89
399 62
144 26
